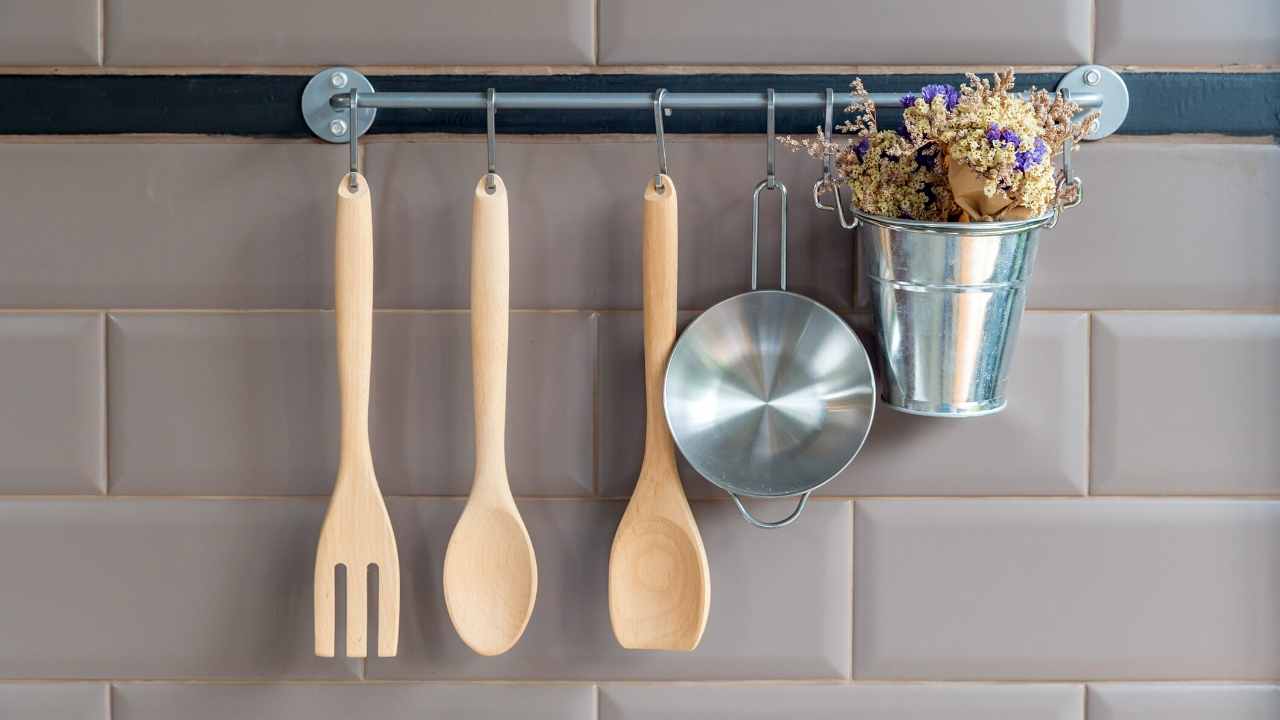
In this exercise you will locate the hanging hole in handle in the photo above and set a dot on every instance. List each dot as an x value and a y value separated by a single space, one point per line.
770 525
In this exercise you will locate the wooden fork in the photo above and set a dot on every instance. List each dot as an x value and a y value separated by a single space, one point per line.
357 530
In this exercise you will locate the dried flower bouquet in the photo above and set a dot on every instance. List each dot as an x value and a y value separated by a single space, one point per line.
974 153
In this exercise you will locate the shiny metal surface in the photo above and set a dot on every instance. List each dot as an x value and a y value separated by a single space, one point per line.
947 300
769 394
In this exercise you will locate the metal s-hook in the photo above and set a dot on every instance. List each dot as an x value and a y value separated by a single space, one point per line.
826 132
353 135
770 178
491 140
827 181
662 142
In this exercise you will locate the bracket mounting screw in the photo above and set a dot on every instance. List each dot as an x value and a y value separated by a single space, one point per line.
1092 77
338 80
338 128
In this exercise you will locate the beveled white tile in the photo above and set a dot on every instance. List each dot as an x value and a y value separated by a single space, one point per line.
247 403
1190 32
1066 589
1186 404
1168 701
386 701
51 404
842 702
329 32
731 32
159 589
49 32
779 599
54 701
1167 225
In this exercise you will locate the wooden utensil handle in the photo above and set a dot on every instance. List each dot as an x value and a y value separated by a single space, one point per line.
490 316
660 268
353 305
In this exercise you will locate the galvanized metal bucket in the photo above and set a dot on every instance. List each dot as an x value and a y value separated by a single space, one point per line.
947 299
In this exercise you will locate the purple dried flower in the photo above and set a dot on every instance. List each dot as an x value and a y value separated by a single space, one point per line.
1025 160
952 95
995 135
862 147
907 100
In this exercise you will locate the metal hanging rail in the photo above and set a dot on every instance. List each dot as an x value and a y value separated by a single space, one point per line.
327 99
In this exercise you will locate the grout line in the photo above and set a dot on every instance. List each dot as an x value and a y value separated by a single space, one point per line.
1088 405
595 34
114 683
595 407
1172 498
853 587
1170 138
104 397
1093 32
102 33
535 70
572 311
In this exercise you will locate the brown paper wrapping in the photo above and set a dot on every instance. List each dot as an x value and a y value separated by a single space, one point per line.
967 188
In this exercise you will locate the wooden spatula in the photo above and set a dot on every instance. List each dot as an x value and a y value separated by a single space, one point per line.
490 573
659 582
357 531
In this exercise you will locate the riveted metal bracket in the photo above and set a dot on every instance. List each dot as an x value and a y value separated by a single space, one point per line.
328 122
1100 80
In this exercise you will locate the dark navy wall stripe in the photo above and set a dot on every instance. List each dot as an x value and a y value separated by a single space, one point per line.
267 105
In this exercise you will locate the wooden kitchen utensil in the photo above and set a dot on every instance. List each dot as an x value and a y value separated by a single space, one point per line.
659 581
490 572
357 531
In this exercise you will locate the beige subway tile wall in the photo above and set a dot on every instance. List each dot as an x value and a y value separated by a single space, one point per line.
1189 32
862 32
394 32
1104 549
52 426
50 32
1241 701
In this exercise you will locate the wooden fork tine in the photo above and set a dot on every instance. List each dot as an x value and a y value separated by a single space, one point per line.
326 609
357 610
388 609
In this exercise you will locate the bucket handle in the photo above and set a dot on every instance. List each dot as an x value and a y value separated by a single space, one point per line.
770 182
804 498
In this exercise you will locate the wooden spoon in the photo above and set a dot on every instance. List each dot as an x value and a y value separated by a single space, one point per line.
659 581
490 573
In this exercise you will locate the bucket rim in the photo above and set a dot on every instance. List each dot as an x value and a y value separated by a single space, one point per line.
1002 227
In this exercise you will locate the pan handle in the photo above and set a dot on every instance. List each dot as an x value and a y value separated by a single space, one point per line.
804 498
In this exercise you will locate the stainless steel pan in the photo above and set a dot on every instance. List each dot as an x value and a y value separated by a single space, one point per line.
769 393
